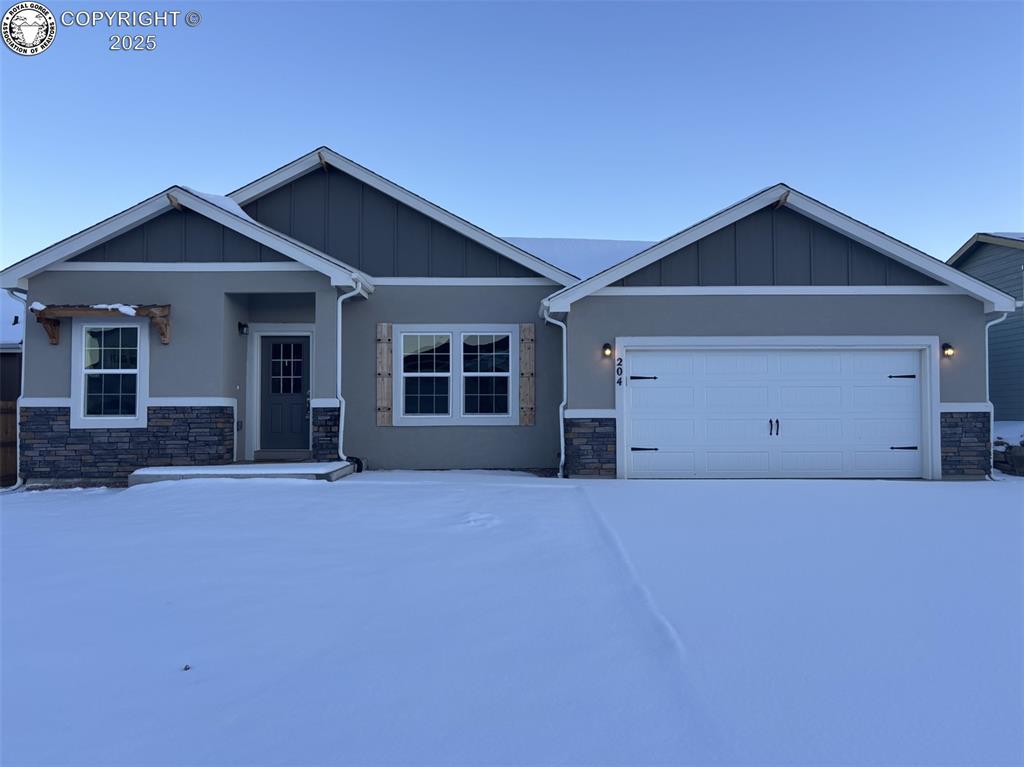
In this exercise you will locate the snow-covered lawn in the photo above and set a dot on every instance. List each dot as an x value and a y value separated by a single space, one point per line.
470 618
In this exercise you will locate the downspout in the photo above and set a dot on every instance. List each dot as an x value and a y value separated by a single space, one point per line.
988 397
546 314
357 289
18 481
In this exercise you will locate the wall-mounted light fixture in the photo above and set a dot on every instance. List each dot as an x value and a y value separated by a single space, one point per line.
948 350
606 350
243 329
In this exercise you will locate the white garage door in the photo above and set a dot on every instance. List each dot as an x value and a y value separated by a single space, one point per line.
773 413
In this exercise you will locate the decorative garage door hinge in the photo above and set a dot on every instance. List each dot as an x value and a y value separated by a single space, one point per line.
904 375
643 378
903 447
644 449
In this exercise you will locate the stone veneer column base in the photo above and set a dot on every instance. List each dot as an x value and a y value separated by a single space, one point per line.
966 445
590 447
53 453
324 421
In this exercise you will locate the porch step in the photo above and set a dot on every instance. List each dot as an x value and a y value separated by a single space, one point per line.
330 472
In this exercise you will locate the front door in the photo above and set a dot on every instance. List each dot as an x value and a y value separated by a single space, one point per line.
284 393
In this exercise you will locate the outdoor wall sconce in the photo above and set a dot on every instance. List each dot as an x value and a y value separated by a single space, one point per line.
606 350
948 350
243 329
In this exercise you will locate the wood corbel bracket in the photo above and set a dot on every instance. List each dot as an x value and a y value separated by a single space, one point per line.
52 327
163 327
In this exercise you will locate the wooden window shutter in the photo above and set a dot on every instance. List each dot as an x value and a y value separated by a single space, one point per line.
527 375
384 375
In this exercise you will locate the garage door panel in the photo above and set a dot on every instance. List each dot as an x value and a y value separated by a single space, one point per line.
886 431
890 362
662 363
733 398
897 397
735 363
737 431
812 364
706 413
810 430
662 432
810 398
644 399
887 462
664 464
811 462
739 462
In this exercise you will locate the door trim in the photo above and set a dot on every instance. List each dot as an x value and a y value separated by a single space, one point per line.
926 346
253 389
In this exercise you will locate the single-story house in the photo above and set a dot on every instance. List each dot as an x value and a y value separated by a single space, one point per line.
324 311
998 259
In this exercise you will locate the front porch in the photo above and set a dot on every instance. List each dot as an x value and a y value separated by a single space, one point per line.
329 471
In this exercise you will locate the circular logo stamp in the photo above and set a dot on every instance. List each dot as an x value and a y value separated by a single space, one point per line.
29 28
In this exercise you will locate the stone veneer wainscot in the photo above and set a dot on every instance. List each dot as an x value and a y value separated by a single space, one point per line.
324 422
966 445
590 447
53 453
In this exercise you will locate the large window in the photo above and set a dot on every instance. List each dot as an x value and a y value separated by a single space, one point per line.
456 375
109 381
111 371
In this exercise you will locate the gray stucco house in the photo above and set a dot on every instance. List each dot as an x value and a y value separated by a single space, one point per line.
323 311
998 259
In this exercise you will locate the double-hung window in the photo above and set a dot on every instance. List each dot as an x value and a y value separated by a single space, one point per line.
447 375
109 379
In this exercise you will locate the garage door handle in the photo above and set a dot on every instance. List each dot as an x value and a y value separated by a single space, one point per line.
643 378
644 449
904 375
903 447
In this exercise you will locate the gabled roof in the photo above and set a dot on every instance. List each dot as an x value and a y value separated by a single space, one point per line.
327 156
218 209
1010 239
781 194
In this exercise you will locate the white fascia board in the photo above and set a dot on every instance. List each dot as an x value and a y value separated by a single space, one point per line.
304 164
994 299
15 275
563 299
264 235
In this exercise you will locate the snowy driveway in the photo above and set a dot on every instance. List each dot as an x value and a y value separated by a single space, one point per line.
487 618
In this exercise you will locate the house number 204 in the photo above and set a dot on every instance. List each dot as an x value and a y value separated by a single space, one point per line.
618 371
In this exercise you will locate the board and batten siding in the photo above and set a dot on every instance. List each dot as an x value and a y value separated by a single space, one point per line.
366 229
180 236
775 246
1001 266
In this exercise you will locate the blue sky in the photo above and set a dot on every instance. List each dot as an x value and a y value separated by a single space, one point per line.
610 120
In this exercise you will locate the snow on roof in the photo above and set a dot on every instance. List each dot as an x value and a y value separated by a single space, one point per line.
11 309
222 202
581 257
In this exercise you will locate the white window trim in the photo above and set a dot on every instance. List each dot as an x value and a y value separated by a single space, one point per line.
456 416
79 420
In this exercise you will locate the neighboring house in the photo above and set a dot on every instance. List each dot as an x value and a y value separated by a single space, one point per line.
12 322
322 311
998 259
